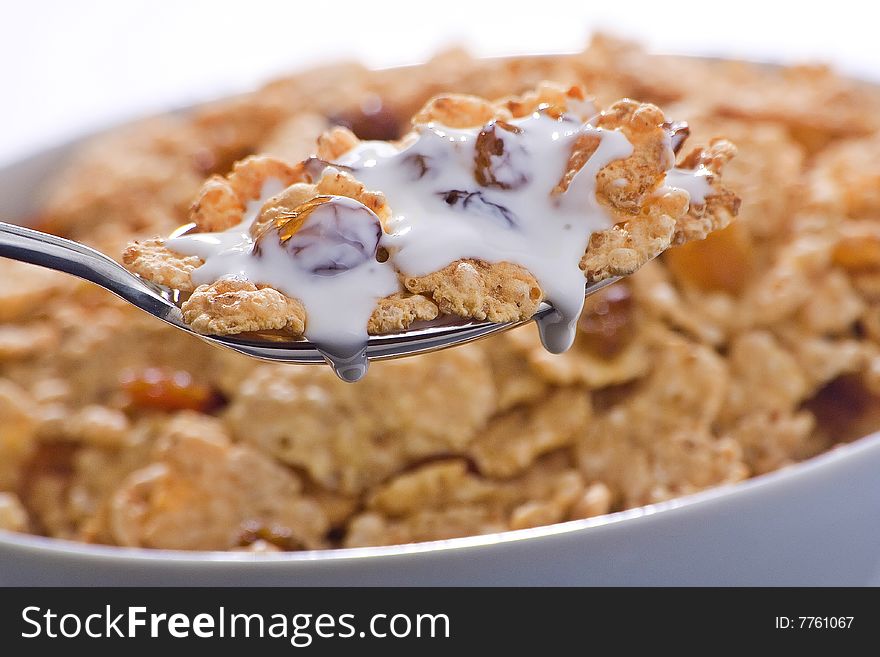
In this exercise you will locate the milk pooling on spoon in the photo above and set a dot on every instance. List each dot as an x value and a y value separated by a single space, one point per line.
486 194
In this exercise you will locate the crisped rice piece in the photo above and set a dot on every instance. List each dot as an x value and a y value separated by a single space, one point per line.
498 292
399 311
217 207
768 161
154 261
162 504
229 306
650 221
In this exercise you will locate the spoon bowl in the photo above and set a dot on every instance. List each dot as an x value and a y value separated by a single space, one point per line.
38 248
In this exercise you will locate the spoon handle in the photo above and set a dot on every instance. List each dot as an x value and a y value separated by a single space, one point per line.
37 248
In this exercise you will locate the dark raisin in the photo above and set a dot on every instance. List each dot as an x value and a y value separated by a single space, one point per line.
476 203
327 235
496 159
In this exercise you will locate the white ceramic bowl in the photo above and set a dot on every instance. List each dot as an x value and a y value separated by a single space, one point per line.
817 522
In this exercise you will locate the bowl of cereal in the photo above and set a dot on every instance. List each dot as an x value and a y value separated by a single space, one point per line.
712 422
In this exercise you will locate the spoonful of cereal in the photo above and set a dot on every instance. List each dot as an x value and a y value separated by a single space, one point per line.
487 215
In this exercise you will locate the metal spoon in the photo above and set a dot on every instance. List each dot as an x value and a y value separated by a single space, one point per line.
37 248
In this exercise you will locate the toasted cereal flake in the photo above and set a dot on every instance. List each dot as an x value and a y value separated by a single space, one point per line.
771 440
458 111
399 311
351 437
498 292
735 348
152 260
231 306
161 506
514 440
335 142
766 376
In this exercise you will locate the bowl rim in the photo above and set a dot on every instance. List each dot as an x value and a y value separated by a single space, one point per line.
61 547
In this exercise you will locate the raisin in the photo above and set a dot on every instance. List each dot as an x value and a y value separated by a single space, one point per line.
417 163
327 235
476 203
162 389
495 159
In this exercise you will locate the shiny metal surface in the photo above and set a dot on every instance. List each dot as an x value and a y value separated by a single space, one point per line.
37 248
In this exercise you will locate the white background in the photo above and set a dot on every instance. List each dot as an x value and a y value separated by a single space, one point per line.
66 66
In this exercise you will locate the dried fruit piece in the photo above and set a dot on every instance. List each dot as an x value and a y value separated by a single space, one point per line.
167 390
496 155
327 235
476 203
